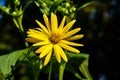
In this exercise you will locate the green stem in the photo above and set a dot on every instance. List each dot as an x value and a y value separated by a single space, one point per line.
61 70
84 69
21 29
50 70
18 23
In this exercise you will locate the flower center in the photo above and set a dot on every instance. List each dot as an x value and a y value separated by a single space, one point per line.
54 38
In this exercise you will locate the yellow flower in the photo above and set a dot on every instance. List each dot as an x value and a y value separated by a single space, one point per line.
54 38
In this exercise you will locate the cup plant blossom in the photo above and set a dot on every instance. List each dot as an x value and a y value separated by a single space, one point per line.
53 39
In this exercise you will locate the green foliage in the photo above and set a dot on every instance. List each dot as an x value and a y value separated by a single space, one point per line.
86 5
47 6
78 63
9 60
5 9
55 5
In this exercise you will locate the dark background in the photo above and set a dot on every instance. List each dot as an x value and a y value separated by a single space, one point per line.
102 39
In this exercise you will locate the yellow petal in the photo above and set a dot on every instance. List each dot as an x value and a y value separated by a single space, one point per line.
40 49
75 37
62 24
54 23
68 26
45 51
47 58
41 43
42 26
43 32
57 53
47 22
37 36
72 32
69 48
39 29
62 53
33 40
71 43
34 31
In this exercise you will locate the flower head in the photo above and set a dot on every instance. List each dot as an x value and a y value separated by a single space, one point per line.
54 38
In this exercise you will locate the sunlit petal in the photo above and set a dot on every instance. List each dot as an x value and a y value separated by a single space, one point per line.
72 32
37 36
68 26
54 23
39 29
35 32
40 49
47 22
45 51
57 53
47 58
42 26
69 48
41 43
62 53
71 43
62 24
75 37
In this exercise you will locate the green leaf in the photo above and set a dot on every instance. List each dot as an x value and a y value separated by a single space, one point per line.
70 68
78 65
86 4
77 58
84 69
5 9
8 60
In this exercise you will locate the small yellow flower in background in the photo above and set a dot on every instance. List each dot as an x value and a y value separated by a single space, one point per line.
54 38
